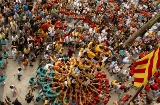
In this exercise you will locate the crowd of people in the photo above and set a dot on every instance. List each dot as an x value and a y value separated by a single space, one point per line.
75 43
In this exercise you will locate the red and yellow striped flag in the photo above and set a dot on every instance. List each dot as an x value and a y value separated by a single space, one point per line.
146 67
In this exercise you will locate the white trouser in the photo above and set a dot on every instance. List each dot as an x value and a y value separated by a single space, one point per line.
14 56
2 83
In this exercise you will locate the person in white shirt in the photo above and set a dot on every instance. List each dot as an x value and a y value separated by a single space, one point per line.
19 74
126 59
13 90
47 66
14 38
48 48
67 40
50 29
14 53
116 69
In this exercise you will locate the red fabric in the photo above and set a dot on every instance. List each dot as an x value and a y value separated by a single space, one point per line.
122 86
65 35
99 75
38 40
125 98
148 88
92 25
72 12
157 80
141 62
103 74
105 102
75 17
44 27
156 74
106 42
131 72
99 8
49 4
158 61
97 98
82 18
140 80
143 13
64 26
87 21
140 70
66 12
58 24
119 27
111 16
155 86
151 66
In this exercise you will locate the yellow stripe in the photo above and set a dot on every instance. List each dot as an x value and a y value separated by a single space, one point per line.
139 75
141 66
137 84
145 57
154 68
143 75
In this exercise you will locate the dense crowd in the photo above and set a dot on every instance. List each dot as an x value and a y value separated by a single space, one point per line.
75 43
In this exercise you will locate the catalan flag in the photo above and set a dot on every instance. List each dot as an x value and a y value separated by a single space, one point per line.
146 67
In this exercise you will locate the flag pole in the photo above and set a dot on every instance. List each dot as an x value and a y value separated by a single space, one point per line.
134 97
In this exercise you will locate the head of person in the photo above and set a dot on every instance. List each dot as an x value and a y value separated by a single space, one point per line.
149 99
11 87
19 69
158 99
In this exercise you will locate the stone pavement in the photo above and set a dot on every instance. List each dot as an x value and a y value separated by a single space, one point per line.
22 86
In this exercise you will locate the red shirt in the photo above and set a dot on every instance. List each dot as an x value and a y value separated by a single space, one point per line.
99 75
122 86
58 24
64 26
124 99
49 4
66 12
157 80
119 27
75 17
93 25
148 88
72 12
38 40
87 21
97 98
156 74
44 26
155 86
111 16
82 17
106 41
143 13
99 8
